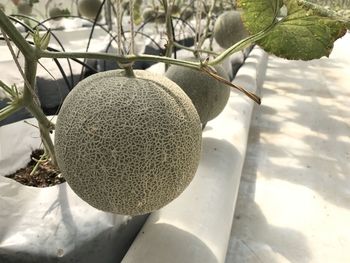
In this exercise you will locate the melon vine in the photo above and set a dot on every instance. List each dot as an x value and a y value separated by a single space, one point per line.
127 141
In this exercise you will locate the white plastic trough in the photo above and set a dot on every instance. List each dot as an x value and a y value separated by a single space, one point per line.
196 226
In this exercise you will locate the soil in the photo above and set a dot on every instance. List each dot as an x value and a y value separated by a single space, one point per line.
44 176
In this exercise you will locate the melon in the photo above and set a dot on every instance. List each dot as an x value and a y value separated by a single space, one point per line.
208 95
161 17
149 14
128 145
89 8
125 5
186 13
174 9
24 8
55 12
229 29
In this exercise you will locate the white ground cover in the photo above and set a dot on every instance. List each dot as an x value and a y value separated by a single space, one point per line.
294 198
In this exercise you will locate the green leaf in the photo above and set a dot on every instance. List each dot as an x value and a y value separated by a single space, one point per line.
305 33
6 88
36 37
258 14
43 41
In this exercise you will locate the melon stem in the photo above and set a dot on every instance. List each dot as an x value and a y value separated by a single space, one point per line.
169 31
129 72
32 105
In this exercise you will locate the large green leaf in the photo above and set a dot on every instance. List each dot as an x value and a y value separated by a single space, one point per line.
258 14
305 33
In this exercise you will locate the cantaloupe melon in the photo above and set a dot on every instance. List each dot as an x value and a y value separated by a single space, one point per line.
229 29
55 12
149 14
186 13
24 8
208 95
174 9
128 145
89 8
125 5
161 17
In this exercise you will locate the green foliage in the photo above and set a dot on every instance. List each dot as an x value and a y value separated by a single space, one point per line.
12 92
333 4
41 42
258 14
305 33
15 100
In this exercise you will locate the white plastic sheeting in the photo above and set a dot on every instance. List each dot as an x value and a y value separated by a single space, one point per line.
52 224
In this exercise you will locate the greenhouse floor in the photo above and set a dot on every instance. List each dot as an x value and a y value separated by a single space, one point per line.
294 199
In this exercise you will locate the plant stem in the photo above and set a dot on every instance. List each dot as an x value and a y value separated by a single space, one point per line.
242 44
29 98
119 26
193 50
45 126
169 31
129 72
199 7
42 157
16 37
9 110
132 31
31 53
131 58
206 29
122 59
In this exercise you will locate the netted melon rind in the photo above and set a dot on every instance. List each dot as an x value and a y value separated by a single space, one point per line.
208 95
186 13
55 12
128 145
149 14
89 8
229 29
